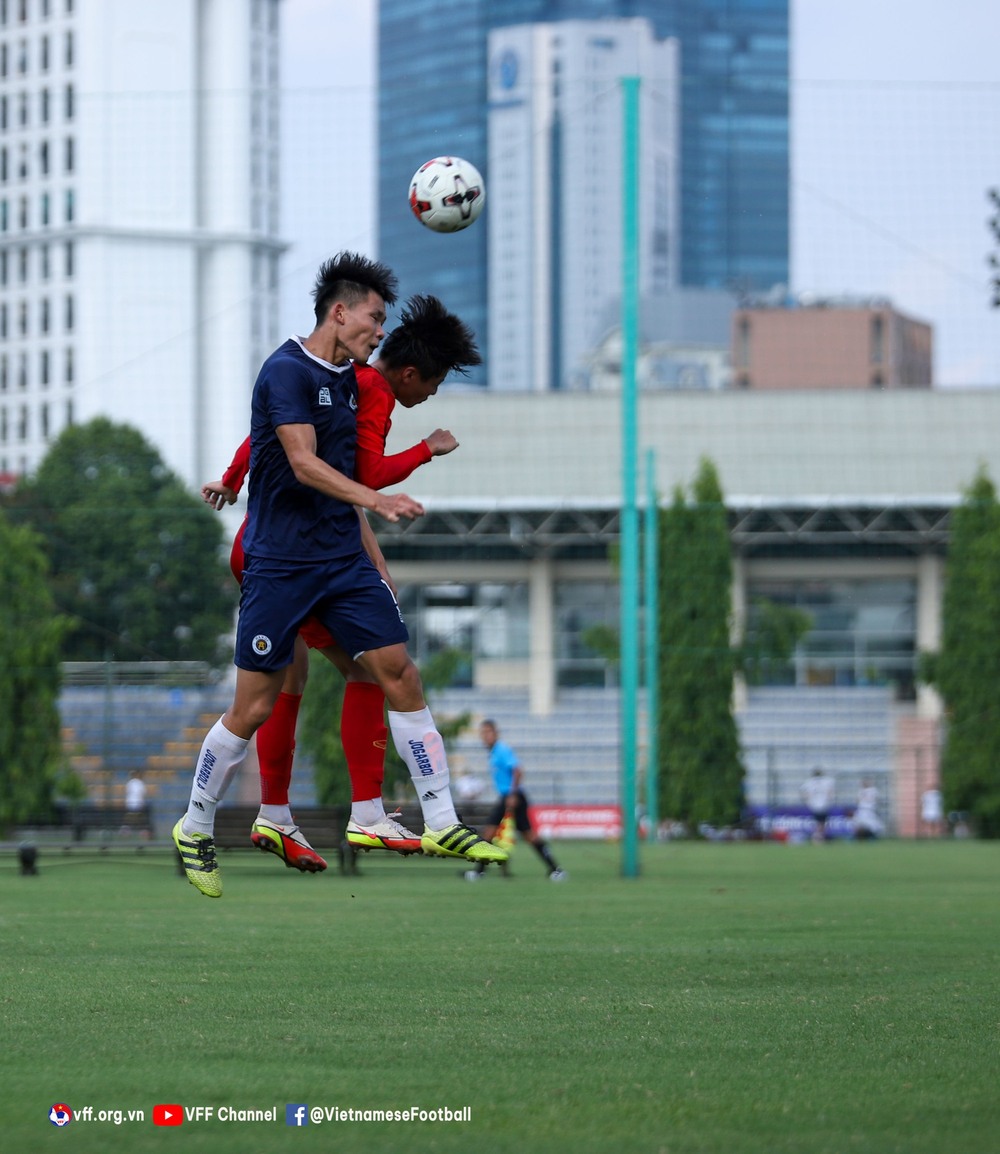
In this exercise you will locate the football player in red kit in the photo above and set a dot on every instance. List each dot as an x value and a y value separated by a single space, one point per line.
411 364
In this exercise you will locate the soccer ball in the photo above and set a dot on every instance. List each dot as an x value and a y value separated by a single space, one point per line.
447 194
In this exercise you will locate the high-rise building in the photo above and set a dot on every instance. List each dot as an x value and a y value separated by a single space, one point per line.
734 153
138 220
556 131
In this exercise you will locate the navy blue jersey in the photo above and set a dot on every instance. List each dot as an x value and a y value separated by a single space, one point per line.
286 520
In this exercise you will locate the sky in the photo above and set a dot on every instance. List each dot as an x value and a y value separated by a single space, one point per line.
895 141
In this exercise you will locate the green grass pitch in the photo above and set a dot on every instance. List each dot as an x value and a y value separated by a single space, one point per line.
732 999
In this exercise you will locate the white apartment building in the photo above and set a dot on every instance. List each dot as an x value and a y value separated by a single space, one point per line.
556 131
138 221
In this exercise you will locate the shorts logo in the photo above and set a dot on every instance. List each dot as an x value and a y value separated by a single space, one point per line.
324 396
262 645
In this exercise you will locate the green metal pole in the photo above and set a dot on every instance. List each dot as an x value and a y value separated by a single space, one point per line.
652 556
630 513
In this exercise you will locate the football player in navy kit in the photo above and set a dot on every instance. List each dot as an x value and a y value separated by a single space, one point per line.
303 556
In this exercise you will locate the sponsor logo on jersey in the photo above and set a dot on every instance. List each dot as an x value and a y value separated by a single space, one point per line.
324 396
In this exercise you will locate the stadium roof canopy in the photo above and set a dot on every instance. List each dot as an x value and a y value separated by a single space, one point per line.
820 471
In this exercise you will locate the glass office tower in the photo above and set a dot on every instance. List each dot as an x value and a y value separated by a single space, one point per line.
734 134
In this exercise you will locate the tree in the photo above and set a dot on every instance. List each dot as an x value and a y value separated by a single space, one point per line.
31 760
701 772
967 669
135 558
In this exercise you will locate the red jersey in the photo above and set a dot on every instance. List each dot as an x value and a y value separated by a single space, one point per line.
375 404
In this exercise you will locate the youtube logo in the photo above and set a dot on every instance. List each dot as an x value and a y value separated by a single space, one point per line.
168 1115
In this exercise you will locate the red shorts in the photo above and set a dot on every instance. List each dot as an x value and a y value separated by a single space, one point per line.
313 632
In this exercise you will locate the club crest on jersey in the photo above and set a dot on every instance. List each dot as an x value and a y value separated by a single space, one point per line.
324 396
353 402
262 644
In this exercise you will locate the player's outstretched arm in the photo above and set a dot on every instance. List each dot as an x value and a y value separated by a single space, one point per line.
299 443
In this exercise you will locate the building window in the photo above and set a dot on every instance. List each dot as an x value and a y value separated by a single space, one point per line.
3 266
3 373
22 323
68 368
22 162
878 339
743 343
3 61
22 57
70 206
69 413
45 209
22 212
43 54
69 155
68 53
22 370
44 103
3 113
22 11
44 415
43 368
43 316
3 165
43 262
3 321
22 109
22 423
69 259
22 264
69 314
68 102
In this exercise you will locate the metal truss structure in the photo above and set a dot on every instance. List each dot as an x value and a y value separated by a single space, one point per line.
567 531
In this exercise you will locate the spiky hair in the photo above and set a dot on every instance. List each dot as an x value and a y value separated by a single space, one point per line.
431 339
350 277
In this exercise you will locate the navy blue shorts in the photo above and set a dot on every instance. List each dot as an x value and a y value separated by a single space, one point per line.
346 594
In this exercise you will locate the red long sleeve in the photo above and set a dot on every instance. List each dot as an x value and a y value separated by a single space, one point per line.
236 474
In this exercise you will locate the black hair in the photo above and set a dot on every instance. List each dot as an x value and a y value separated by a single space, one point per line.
431 339
350 277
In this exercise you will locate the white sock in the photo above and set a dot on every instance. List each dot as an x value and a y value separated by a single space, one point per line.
222 754
419 744
279 814
367 813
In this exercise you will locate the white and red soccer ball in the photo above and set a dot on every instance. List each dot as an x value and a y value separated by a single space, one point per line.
447 194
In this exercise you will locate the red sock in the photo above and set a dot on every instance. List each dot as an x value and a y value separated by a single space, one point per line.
364 735
276 747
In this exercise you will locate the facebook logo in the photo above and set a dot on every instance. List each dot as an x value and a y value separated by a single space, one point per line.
296 1114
